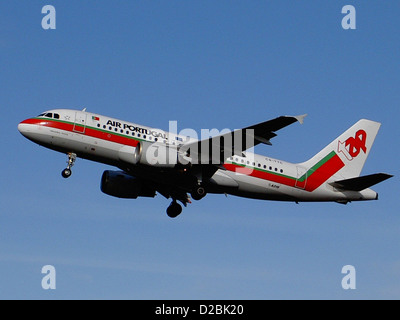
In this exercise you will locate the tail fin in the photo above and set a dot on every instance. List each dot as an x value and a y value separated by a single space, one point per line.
350 150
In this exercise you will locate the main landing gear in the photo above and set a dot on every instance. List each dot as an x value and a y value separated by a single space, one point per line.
66 173
199 192
174 209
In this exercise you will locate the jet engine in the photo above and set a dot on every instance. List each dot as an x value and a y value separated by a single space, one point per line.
121 185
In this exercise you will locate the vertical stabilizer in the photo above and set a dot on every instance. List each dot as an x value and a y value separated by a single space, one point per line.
351 149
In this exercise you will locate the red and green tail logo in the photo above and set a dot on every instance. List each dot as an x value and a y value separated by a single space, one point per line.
352 146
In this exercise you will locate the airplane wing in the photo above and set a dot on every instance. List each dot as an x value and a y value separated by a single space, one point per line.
215 150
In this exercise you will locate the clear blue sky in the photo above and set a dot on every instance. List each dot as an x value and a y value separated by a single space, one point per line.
207 64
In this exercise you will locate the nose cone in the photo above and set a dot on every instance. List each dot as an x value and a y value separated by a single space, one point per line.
25 128
22 127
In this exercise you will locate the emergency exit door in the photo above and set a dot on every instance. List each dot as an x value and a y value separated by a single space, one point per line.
80 122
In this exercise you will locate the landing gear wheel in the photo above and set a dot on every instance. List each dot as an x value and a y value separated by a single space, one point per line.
174 210
198 193
66 173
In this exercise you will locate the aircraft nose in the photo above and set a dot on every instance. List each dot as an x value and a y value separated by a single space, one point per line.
24 128
21 127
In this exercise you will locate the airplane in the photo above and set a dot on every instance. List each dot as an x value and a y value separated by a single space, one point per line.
154 161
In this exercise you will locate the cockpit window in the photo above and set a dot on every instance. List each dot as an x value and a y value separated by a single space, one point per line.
49 115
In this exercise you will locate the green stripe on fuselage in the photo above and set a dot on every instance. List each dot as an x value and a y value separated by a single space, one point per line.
316 166
303 177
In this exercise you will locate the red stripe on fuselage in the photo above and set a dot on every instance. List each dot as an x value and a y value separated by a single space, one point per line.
270 176
91 132
313 181
324 172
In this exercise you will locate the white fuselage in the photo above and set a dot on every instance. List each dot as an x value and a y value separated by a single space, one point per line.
111 141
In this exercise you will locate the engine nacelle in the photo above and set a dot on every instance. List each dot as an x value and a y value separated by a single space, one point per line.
156 155
127 154
121 185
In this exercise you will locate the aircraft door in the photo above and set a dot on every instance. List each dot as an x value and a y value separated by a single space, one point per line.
301 180
80 122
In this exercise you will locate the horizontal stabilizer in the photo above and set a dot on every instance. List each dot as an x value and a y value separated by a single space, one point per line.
361 183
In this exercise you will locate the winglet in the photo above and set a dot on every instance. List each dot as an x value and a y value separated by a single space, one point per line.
300 118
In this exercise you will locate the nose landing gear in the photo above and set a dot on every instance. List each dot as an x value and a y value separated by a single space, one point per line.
66 173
